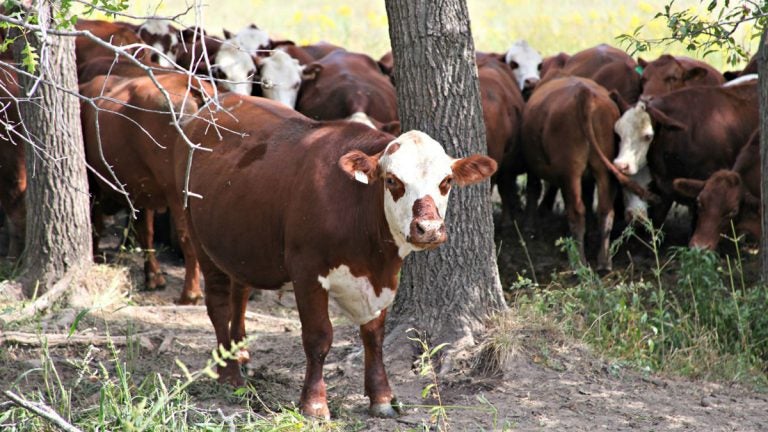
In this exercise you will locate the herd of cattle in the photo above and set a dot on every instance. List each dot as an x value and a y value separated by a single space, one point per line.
310 182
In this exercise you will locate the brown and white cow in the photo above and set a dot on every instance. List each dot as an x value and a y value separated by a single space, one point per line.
727 196
525 62
131 134
345 83
668 73
691 133
566 123
165 38
332 208
250 39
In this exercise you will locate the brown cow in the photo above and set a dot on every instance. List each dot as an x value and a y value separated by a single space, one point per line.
13 173
115 33
566 122
728 196
750 68
346 83
338 206
690 133
320 49
610 67
502 104
131 136
668 73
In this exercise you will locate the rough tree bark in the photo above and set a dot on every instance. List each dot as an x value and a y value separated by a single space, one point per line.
58 238
448 292
762 67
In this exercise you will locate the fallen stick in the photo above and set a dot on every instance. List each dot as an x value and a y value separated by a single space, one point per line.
43 411
33 339
42 303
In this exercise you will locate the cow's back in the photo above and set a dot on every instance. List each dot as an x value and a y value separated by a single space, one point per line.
276 194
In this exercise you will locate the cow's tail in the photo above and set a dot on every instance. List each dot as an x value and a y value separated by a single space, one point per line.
586 110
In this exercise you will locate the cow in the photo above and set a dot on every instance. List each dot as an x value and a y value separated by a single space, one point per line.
165 38
691 133
280 76
727 196
554 62
567 124
129 135
344 83
116 34
525 62
320 49
750 68
502 104
336 208
13 172
610 67
251 39
668 73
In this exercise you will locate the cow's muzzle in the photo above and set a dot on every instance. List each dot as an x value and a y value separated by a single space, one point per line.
427 233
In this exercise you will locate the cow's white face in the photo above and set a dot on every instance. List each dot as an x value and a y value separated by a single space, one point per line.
417 176
636 132
163 37
525 63
281 77
251 39
236 67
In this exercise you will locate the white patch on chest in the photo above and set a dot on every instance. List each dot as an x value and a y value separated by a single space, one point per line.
355 295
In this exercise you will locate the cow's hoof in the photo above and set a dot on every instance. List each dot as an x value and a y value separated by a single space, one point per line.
186 300
316 409
155 281
386 410
231 375
242 356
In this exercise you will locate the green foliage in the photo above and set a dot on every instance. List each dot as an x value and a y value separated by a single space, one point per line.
692 317
708 32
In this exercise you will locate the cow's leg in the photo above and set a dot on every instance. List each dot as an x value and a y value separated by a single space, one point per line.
532 194
218 302
506 181
605 204
97 220
658 211
191 292
238 303
548 202
376 384
145 231
575 211
316 336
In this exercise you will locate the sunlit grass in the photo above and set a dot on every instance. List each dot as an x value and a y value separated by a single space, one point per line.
550 25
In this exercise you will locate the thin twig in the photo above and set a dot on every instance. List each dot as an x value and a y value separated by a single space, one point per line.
42 410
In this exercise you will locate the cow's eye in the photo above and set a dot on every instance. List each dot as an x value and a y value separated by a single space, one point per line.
390 181
647 137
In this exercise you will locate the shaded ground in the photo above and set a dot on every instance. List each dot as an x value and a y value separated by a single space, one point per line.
550 383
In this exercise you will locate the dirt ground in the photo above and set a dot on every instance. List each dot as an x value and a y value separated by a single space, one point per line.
554 383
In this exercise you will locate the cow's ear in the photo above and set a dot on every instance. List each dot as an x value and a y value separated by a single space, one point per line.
392 127
664 120
690 188
642 62
227 34
731 75
472 169
385 68
311 71
694 73
359 166
619 101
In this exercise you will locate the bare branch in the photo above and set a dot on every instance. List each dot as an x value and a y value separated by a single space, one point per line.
42 410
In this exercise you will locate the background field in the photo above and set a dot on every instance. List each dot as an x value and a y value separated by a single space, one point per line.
550 25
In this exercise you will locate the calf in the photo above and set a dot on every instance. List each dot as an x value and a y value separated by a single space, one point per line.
691 133
567 122
338 206
345 83
668 73
129 135
727 196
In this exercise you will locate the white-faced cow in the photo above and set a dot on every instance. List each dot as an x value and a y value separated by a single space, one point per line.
235 68
332 208
525 62
691 133
251 39
161 35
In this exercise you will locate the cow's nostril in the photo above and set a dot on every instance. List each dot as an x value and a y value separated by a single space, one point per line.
420 229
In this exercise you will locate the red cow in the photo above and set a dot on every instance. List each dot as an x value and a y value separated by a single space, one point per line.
727 196
668 73
346 83
566 123
610 67
750 68
13 173
503 105
320 49
130 134
690 133
337 208
117 34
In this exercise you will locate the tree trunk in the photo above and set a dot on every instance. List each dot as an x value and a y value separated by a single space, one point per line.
58 237
762 67
448 292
